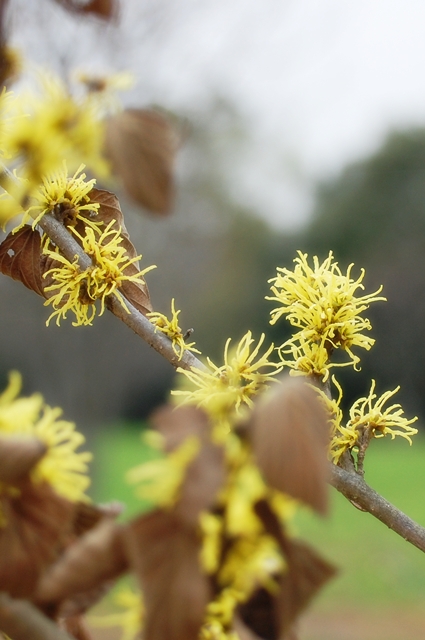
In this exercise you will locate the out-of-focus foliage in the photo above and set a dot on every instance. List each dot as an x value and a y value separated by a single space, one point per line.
374 215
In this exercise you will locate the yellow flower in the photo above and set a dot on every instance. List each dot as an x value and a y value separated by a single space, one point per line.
130 619
222 389
251 563
62 466
366 414
102 89
52 126
172 330
322 303
78 289
219 616
211 526
65 197
160 480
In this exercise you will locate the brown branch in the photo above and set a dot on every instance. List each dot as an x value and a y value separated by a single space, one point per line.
355 489
20 620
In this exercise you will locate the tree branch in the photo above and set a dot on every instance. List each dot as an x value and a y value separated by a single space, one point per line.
353 487
20 620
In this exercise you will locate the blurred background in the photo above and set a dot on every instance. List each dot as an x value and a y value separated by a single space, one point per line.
305 129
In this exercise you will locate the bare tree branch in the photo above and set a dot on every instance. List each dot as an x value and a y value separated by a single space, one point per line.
355 489
20 620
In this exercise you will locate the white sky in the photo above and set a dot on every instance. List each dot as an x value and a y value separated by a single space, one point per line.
318 82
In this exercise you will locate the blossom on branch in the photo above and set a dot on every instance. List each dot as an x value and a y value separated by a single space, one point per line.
172 330
322 303
75 289
63 196
367 417
222 389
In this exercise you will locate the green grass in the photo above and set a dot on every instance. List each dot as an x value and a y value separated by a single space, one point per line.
376 567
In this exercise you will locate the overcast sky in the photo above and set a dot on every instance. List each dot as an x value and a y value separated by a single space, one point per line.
319 83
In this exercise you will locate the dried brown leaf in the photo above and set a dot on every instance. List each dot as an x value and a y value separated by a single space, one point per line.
21 259
141 145
106 9
205 474
18 455
290 436
76 627
305 574
87 563
164 554
38 523
89 515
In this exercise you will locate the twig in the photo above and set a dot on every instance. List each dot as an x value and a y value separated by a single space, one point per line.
20 620
353 487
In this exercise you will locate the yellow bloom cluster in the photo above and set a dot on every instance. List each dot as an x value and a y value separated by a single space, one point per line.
78 289
39 130
62 466
223 389
172 330
253 558
321 302
367 415
48 127
62 195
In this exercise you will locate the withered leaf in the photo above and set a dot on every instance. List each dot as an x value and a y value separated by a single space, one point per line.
305 573
76 627
205 474
106 9
20 258
89 515
38 522
141 145
289 435
164 554
18 455
87 563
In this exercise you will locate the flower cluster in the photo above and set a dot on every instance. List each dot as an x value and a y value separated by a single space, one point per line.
368 419
38 131
75 289
321 302
220 390
62 467
172 330
66 197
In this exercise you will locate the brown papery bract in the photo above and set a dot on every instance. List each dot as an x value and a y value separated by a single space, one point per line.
164 554
21 258
76 627
289 434
106 9
205 474
141 146
273 616
18 455
37 525
93 559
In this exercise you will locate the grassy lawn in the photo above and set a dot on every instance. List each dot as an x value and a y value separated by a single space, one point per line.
377 568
